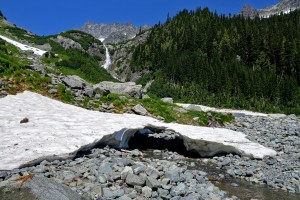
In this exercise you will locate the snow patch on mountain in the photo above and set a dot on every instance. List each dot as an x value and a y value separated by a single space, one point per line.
23 46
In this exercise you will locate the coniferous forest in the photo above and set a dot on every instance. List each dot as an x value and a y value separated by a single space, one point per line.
205 58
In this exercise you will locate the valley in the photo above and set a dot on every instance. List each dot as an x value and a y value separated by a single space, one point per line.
202 106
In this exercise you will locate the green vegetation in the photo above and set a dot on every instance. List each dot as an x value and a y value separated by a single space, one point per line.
84 65
13 71
69 61
84 39
64 94
170 112
203 58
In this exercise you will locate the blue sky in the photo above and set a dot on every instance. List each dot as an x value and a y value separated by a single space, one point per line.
54 16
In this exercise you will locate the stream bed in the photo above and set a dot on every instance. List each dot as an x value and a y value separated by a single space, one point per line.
240 188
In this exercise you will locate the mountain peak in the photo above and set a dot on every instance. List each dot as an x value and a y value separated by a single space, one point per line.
284 6
112 33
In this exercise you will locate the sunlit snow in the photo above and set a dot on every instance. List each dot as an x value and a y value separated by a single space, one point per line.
58 129
23 46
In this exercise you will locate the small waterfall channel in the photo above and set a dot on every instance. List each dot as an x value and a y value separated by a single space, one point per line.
107 60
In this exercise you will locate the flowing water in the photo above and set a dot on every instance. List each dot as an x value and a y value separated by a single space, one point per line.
244 191
107 60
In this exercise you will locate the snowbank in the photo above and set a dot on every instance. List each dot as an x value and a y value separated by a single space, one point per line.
23 46
58 129
207 109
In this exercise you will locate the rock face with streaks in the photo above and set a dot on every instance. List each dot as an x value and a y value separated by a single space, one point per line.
284 6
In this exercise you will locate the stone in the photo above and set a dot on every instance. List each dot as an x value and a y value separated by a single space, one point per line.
52 91
172 175
89 92
140 110
37 188
135 153
134 180
105 168
129 88
178 190
162 192
167 100
146 192
107 193
152 183
74 82
127 170
24 120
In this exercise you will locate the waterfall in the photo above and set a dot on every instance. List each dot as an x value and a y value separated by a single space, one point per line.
107 60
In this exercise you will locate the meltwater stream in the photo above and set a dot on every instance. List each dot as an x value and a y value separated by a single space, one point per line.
245 189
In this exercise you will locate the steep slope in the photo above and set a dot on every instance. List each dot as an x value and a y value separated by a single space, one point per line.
284 6
112 33
204 58
122 55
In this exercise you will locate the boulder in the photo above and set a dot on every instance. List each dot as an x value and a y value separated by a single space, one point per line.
140 110
74 82
135 180
37 188
129 88
167 100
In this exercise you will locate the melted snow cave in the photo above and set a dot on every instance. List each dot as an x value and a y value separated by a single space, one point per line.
151 137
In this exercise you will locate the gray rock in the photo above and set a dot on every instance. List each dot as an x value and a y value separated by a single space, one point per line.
153 183
140 110
74 82
178 190
129 88
89 92
162 192
107 193
172 175
146 192
67 42
167 100
52 91
38 188
105 168
127 170
134 180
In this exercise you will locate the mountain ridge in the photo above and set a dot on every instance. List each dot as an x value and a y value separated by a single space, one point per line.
113 33
283 6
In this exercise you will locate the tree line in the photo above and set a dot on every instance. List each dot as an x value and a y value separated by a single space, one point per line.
201 57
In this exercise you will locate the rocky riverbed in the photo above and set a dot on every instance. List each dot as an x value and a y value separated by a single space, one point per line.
108 173
111 174
279 133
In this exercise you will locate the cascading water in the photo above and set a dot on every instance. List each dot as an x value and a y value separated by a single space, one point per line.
107 60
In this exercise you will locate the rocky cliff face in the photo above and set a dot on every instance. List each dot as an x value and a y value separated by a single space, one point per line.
284 6
121 57
112 33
